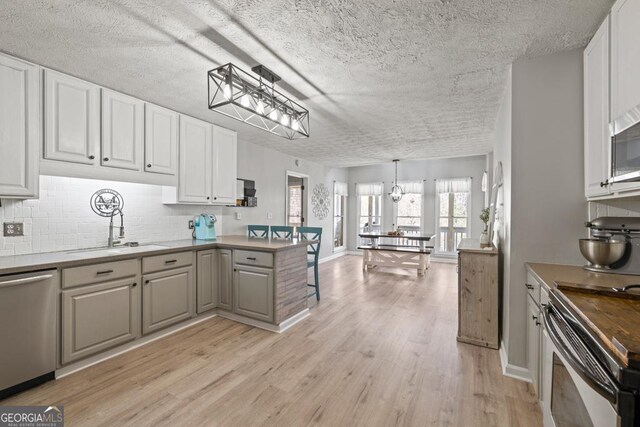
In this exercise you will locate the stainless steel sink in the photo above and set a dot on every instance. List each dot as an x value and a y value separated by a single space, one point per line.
118 250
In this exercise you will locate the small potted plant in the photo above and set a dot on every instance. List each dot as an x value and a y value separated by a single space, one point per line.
484 237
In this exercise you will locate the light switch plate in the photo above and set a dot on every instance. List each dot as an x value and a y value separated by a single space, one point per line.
238 215
12 229
191 226
269 215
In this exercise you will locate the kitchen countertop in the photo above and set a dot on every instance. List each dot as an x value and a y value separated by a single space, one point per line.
51 260
473 245
614 318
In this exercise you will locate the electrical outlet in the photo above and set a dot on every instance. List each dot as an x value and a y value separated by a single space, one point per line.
270 215
238 215
12 229
190 224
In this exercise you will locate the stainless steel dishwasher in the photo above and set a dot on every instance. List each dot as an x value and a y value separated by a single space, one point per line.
27 330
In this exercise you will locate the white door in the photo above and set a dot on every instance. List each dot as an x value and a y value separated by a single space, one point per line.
596 112
194 179
625 56
122 130
225 166
19 128
71 119
160 140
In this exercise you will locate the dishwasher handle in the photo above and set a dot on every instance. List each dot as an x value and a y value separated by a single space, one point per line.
25 280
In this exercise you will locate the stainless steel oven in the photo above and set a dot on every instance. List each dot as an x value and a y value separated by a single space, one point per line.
625 147
586 385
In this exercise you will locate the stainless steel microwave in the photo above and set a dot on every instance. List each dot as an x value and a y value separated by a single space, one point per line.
625 147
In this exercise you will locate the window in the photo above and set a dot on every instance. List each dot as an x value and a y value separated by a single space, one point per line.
453 198
340 193
408 211
369 207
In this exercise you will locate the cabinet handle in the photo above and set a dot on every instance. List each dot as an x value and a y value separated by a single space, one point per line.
529 286
604 183
252 258
208 198
534 317
146 282
235 269
149 165
133 285
215 198
104 272
170 261
106 159
91 157
537 323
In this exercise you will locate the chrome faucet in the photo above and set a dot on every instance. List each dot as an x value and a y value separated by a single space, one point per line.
111 242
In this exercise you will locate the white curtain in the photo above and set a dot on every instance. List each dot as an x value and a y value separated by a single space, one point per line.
411 187
454 185
369 189
340 188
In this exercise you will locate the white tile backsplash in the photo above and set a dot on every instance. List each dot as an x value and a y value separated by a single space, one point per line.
61 219
616 207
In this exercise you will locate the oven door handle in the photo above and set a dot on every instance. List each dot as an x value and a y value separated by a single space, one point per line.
608 391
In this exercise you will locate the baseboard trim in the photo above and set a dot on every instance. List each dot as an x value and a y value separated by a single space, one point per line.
264 325
109 354
512 371
332 257
444 260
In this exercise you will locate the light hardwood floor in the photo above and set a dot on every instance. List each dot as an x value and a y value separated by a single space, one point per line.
379 350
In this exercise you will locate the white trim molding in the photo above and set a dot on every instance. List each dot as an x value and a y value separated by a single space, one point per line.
512 371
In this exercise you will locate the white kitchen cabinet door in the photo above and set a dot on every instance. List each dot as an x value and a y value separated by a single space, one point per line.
596 113
19 128
194 177
122 131
71 119
160 140
225 166
625 56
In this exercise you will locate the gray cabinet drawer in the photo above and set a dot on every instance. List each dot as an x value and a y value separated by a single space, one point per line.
263 259
89 274
166 262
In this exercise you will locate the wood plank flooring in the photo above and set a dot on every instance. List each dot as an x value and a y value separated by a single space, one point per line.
379 350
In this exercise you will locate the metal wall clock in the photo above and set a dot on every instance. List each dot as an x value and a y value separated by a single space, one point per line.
320 201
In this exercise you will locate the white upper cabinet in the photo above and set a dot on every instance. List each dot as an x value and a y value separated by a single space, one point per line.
596 112
71 119
19 128
625 56
194 179
225 166
122 131
160 140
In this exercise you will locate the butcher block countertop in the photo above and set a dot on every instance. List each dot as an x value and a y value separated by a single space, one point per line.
613 317
52 260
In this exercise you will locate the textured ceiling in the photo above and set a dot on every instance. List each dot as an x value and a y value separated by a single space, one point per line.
383 79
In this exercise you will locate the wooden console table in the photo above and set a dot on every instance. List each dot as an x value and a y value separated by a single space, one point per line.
396 255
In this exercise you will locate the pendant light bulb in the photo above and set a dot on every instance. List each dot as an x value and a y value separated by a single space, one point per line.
246 100
396 191
294 123
226 91
273 115
285 119
260 106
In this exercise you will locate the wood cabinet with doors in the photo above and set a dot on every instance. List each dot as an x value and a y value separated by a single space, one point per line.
625 57
71 119
225 279
478 294
100 308
168 290
122 131
224 166
207 280
160 140
19 128
596 113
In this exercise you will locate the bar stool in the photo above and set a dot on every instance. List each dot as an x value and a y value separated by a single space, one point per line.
312 233
281 232
258 231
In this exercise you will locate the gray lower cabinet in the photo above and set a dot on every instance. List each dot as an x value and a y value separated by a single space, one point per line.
207 280
98 317
225 279
167 298
253 292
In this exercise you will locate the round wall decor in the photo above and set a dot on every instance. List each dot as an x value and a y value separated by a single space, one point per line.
107 202
320 201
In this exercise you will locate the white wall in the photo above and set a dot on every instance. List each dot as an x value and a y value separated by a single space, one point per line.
61 219
547 203
268 169
414 170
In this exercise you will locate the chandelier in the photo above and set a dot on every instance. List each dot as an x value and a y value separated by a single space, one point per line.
255 101
396 191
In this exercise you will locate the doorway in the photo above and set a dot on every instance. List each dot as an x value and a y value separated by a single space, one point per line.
296 199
